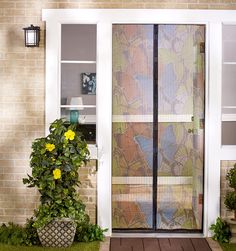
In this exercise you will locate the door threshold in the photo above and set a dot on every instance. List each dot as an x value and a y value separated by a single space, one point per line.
158 235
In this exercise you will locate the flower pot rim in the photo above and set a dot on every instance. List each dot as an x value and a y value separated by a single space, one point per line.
63 219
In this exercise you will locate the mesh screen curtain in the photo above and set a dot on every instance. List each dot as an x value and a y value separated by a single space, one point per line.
158 127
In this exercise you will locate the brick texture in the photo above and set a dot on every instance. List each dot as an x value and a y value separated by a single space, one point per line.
88 188
225 166
22 75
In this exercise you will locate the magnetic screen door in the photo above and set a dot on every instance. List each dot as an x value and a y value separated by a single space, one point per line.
158 127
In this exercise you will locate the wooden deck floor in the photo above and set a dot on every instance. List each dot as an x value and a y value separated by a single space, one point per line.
159 244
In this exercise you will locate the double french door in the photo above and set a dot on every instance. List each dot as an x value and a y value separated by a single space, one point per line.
158 127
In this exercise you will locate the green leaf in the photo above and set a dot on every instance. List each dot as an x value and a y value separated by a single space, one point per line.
42 151
72 150
58 162
26 181
67 168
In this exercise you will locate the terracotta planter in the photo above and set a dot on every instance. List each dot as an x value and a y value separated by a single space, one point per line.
58 233
232 225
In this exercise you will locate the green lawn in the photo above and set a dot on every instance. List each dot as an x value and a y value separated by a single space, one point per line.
228 247
90 246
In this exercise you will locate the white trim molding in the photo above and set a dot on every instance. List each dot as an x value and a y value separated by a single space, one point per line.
104 18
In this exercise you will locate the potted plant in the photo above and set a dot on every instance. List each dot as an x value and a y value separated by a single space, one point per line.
55 161
230 201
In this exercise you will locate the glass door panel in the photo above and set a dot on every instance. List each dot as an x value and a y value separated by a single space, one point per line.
180 126
132 127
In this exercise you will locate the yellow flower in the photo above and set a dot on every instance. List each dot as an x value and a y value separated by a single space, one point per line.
57 174
69 135
50 147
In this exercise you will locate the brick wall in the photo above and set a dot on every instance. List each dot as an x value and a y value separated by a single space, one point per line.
225 166
88 188
22 75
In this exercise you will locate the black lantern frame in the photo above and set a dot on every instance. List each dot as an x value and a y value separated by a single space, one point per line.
32 36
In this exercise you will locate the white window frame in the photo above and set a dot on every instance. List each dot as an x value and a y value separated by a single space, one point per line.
104 18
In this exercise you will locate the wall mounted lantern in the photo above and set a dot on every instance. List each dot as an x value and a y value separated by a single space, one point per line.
32 36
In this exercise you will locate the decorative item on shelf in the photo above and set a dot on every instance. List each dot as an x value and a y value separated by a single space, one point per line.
82 119
88 83
74 110
32 36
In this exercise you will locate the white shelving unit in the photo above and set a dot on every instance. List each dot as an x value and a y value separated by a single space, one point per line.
78 55
228 116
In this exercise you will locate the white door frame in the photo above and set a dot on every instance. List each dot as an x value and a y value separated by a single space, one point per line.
104 18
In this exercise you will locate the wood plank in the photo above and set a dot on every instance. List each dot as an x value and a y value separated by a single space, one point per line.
151 244
116 245
120 248
115 242
165 245
184 243
200 244
135 243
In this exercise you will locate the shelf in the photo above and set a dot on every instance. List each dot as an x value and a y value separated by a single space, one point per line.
168 118
228 152
228 117
229 107
83 119
78 106
87 119
229 63
77 62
